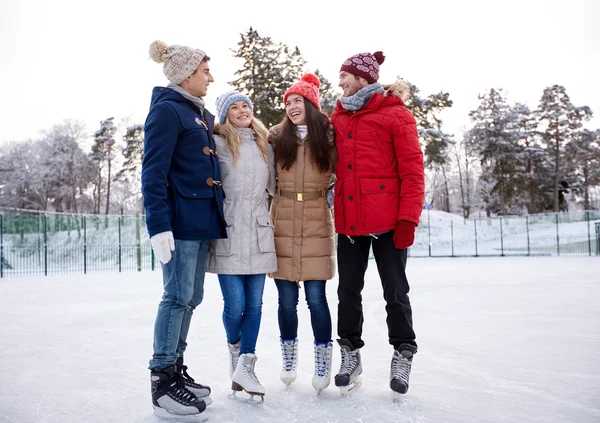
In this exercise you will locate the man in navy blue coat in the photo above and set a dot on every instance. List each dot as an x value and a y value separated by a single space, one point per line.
183 198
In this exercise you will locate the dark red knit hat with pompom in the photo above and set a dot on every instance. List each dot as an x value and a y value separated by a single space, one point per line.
365 65
307 87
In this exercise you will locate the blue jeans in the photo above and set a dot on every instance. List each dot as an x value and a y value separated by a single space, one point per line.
183 280
316 299
242 298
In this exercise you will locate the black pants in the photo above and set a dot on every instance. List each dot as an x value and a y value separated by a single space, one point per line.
353 259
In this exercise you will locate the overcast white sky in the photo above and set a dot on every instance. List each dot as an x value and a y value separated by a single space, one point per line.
71 59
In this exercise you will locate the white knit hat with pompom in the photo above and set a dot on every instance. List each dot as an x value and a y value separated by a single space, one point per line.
179 61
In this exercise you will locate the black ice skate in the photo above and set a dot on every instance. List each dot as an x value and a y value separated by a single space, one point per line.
170 397
350 368
400 368
201 391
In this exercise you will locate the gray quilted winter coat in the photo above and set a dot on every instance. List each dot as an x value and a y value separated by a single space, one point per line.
249 248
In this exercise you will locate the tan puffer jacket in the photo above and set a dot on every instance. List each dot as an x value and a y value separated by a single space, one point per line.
304 230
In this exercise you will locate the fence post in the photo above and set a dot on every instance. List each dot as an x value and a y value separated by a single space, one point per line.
452 236
429 229
475 227
527 226
84 245
557 236
139 242
1 250
45 220
587 217
120 247
501 239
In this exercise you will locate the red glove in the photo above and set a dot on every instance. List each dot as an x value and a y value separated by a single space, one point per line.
404 235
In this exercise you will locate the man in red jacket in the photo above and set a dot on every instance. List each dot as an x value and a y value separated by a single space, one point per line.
378 200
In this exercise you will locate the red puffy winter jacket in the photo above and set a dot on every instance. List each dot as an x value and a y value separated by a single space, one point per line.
380 172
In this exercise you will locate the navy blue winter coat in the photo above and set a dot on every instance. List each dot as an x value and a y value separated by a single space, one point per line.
180 174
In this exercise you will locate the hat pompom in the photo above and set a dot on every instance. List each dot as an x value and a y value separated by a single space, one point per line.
311 79
379 57
157 50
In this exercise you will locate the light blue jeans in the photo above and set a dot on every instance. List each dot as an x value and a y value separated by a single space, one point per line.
183 280
242 311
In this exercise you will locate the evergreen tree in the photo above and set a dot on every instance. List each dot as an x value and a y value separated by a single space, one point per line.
495 137
327 93
102 156
535 169
133 154
583 163
434 141
268 71
560 120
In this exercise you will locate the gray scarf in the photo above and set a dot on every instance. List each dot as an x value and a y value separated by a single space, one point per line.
361 97
196 100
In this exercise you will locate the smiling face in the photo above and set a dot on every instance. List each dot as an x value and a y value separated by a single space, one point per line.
295 110
239 114
197 83
351 84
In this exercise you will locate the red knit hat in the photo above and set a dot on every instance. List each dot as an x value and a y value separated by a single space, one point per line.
307 87
365 65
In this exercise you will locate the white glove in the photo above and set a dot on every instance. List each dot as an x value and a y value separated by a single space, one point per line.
162 244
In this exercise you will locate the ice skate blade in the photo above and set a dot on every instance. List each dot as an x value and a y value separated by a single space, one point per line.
163 414
397 397
349 389
253 399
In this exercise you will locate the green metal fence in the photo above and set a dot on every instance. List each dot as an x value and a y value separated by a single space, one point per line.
51 244
60 244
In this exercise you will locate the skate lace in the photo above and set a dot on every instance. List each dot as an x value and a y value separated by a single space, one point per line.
349 361
179 392
234 355
248 367
321 359
185 375
288 353
401 368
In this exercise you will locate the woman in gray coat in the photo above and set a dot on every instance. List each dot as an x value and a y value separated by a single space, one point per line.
243 259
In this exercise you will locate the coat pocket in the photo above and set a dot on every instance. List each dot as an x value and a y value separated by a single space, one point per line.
265 234
192 210
222 247
380 201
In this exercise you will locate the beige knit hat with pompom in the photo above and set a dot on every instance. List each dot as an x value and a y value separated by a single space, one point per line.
179 61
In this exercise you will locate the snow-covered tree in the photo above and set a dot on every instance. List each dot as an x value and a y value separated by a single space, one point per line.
582 157
434 141
495 137
102 156
329 96
268 71
67 164
559 120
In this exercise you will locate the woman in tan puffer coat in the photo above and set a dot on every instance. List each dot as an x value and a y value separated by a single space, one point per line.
304 148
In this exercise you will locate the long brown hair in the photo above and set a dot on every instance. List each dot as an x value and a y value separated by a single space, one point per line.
317 124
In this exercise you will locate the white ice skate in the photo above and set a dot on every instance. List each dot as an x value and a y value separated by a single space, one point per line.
289 356
322 376
234 355
244 379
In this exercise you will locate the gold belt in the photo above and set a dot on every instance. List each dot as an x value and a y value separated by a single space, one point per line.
302 196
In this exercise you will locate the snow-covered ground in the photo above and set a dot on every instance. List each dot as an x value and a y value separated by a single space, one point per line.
500 340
